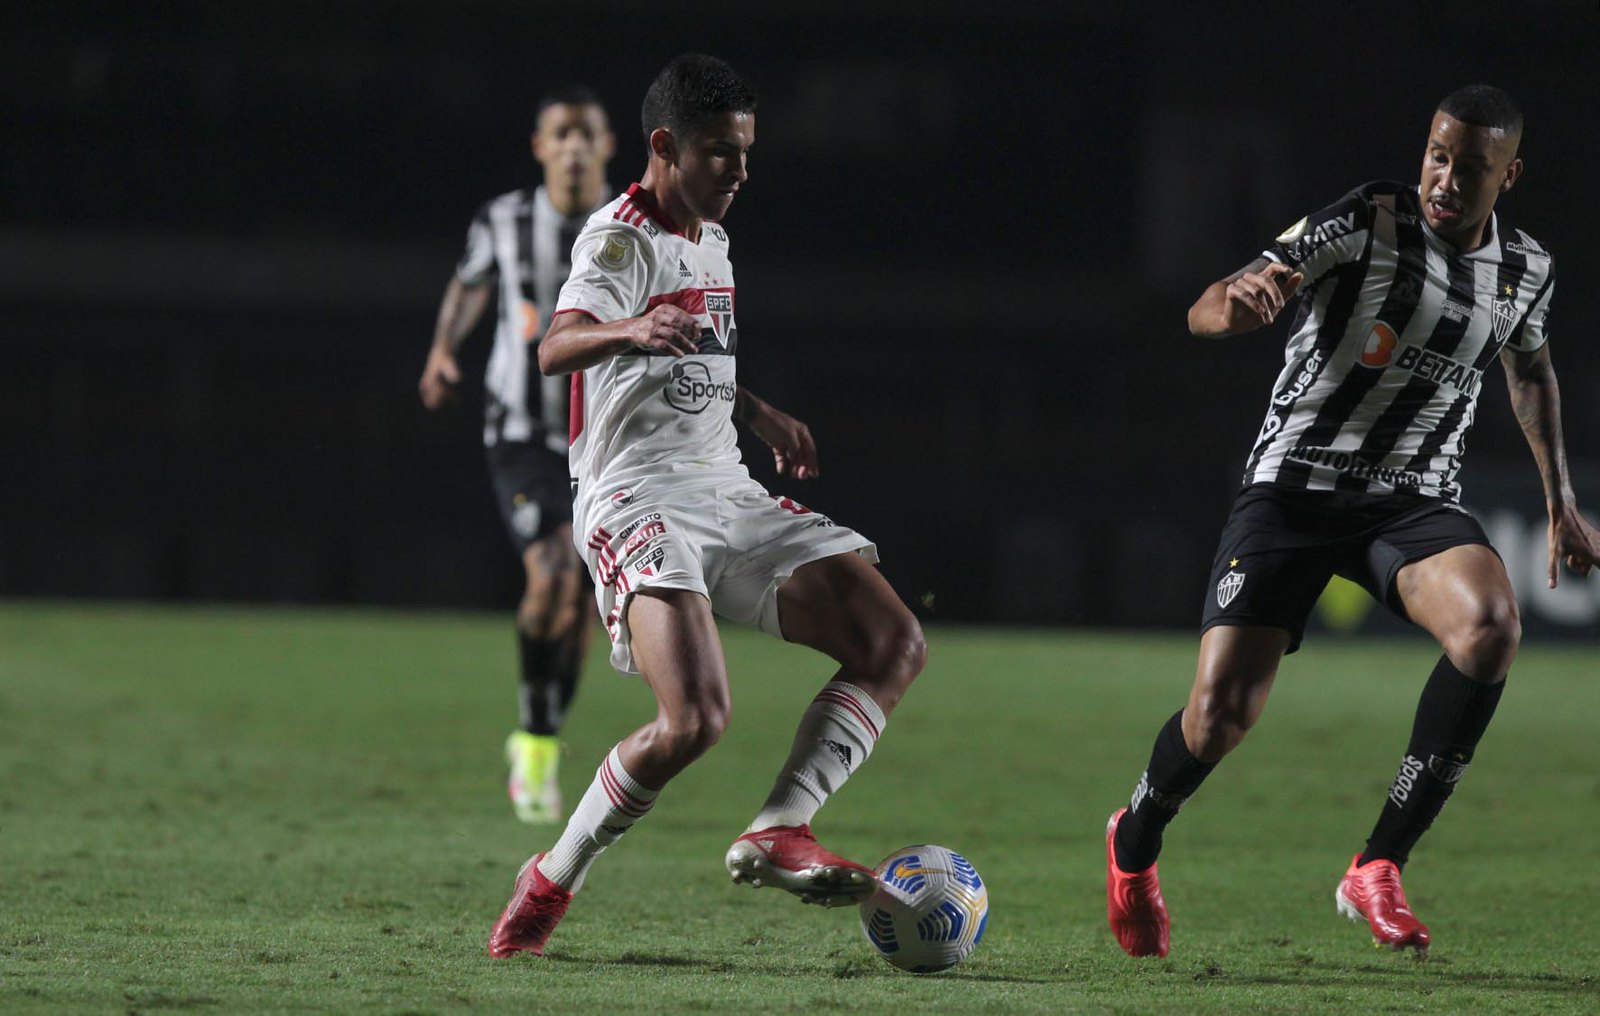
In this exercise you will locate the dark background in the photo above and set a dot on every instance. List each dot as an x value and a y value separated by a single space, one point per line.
964 258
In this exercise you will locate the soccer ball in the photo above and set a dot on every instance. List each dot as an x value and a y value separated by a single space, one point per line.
928 911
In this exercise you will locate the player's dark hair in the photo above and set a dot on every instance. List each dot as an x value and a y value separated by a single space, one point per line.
693 89
1484 106
567 95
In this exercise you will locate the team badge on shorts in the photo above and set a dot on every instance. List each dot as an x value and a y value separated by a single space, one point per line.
1229 587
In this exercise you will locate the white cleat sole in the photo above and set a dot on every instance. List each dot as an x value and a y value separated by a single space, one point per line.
828 885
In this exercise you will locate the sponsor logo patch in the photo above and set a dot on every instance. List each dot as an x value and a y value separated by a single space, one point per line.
622 498
616 253
690 388
1379 350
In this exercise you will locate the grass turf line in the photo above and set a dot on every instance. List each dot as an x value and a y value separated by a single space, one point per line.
229 810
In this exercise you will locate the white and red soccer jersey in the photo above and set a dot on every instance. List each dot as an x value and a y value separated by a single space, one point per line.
638 415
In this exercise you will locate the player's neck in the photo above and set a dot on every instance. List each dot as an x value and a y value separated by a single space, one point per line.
671 204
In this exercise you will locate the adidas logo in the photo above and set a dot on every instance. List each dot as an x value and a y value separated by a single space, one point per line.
683 270
616 830
842 751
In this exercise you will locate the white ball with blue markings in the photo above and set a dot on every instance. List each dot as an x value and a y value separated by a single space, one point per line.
929 910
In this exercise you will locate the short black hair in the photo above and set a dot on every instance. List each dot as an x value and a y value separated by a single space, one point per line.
566 95
1484 106
693 89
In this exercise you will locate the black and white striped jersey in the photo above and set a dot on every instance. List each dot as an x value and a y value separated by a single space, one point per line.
521 239
1386 355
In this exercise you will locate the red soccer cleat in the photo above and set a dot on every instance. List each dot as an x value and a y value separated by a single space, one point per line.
537 906
1372 893
1134 907
790 858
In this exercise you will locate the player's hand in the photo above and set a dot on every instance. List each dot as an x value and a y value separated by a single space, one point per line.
439 379
1574 540
1255 299
794 453
666 329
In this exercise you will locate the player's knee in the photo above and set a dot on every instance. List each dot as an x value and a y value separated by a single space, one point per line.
897 651
1486 642
690 731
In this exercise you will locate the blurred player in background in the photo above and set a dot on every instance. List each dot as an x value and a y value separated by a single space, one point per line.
1408 293
674 530
521 243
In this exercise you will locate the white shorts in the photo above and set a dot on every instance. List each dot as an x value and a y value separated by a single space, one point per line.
732 542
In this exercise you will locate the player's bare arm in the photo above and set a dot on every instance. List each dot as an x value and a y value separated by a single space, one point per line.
459 312
1248 299
577 341
794 452
1536 399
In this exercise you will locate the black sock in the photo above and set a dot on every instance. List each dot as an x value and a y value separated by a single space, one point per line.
1451 717
549 681
1172 775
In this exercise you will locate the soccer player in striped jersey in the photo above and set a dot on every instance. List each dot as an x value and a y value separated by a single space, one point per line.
675 531
520 246
1407 293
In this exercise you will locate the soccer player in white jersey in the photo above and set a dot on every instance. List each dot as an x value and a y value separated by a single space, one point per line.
520 244
674 530
1406 295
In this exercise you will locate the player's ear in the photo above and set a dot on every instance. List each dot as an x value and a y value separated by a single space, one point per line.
535 146
663 145
607 144
1513 172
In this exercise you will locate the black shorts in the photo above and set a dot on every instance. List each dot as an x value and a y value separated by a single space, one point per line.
1280 547
530 488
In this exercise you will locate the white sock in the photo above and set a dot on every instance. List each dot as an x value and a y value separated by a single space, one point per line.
610 807
835 737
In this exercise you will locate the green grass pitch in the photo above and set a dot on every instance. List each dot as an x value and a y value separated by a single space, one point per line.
226 810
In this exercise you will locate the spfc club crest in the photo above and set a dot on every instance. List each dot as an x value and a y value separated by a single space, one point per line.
1229 587
1505 317
719 308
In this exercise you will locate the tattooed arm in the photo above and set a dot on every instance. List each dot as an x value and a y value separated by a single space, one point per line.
1536 399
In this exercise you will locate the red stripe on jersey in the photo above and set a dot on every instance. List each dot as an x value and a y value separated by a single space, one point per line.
576 310
691 300
575 405
646 202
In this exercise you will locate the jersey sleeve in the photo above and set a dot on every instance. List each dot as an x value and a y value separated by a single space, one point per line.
1533 332
610 274
1326 238
477 261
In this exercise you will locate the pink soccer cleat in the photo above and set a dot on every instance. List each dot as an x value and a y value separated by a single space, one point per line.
790 858
1134 907
537 906
1372 893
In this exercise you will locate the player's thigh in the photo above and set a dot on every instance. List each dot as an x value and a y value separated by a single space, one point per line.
843 606
1457 591
766 541
674 642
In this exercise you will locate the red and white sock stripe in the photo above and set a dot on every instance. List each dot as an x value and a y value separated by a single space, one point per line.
852 706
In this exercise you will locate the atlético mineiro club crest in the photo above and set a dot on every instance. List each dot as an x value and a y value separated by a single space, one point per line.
1505 317
719 308
1229 587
